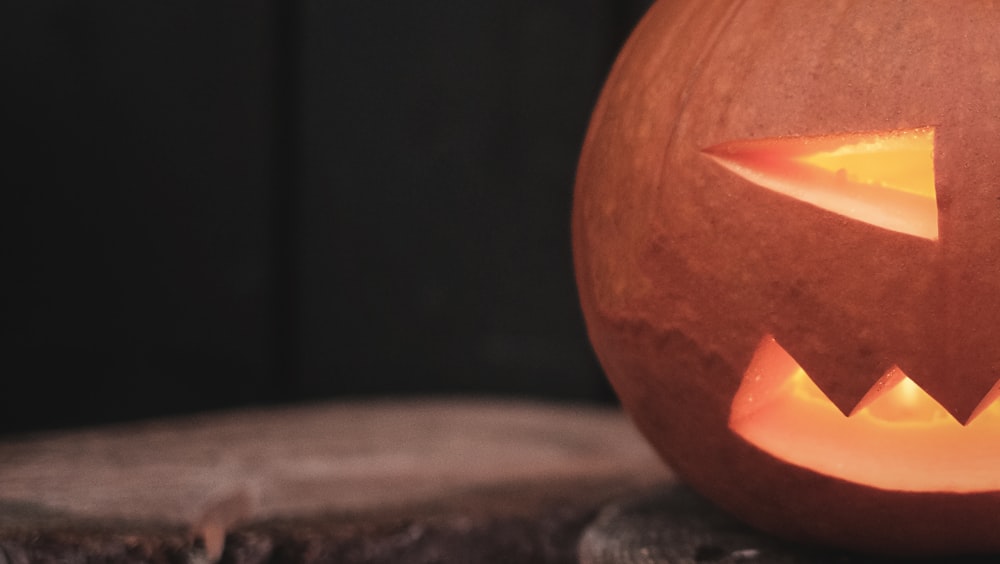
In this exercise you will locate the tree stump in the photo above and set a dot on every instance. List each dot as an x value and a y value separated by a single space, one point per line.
376 481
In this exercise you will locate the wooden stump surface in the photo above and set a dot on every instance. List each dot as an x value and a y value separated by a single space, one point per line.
378 481
673 525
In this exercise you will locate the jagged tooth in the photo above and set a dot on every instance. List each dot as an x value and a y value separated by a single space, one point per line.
900 397
844 378
962 394
988 401
888 381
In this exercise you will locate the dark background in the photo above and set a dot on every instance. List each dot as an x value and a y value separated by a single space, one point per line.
215 203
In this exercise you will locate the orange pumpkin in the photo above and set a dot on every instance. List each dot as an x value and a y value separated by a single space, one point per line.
786 233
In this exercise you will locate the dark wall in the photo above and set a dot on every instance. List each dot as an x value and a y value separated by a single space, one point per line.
138 143
229 202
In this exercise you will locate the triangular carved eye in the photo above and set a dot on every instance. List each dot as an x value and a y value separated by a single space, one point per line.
881 178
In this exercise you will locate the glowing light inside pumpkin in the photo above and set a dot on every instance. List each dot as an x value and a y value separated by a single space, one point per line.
881 178
897 438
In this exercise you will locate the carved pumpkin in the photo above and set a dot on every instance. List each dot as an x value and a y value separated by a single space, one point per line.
787 241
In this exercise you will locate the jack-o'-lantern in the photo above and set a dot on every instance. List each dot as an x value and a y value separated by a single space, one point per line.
787 242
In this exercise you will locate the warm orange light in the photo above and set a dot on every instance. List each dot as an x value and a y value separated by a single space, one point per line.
882 178
898 438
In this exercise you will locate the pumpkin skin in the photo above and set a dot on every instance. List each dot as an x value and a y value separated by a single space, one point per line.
683 267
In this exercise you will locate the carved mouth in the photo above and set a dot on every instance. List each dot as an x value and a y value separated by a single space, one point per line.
897 437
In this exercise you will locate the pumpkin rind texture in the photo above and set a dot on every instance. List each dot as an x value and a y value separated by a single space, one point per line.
684 267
